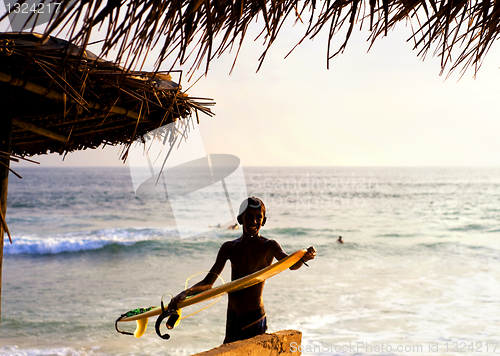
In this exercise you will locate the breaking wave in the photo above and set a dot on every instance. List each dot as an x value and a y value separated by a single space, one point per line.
83 241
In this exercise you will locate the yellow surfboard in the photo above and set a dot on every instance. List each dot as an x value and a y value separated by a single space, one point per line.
142 315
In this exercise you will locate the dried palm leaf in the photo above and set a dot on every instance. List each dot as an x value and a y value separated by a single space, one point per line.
201 30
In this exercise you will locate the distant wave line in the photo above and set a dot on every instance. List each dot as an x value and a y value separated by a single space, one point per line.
83 241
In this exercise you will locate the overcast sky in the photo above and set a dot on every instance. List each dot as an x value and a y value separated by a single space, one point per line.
381 108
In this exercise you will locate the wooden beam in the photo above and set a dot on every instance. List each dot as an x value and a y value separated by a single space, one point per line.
51 94
54 123
90 131
39 130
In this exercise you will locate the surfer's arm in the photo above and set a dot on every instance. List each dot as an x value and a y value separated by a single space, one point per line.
310 254
207 282
277 251
279 254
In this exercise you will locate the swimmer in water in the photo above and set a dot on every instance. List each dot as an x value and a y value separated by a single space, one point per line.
233 227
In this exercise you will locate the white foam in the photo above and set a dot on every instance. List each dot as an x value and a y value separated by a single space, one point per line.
62 351
81 241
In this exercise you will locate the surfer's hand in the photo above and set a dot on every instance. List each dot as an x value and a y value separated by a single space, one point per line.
177 299
310 254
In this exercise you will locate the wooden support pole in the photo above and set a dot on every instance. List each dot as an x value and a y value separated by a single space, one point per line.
5 143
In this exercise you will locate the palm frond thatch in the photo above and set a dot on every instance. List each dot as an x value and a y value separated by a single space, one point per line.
201 30
61 98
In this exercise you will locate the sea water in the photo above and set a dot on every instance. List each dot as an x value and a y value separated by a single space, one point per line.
418 273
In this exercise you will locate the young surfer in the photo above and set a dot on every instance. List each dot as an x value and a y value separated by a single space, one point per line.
249 253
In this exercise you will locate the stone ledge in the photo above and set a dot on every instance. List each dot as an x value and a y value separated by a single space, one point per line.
274 344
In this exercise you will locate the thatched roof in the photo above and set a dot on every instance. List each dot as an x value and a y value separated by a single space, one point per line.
62 98
459 31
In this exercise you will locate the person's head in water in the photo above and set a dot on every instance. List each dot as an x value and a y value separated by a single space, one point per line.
252 215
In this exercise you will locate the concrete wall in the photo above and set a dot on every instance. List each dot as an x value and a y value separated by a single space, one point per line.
274 344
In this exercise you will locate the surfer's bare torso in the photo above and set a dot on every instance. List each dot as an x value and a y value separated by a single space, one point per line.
248 255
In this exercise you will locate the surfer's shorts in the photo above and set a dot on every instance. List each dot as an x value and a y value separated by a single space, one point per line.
242 327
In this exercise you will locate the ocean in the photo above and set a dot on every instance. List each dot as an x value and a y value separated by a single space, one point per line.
418 273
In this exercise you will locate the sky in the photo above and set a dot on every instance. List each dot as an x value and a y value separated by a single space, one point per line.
384 107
